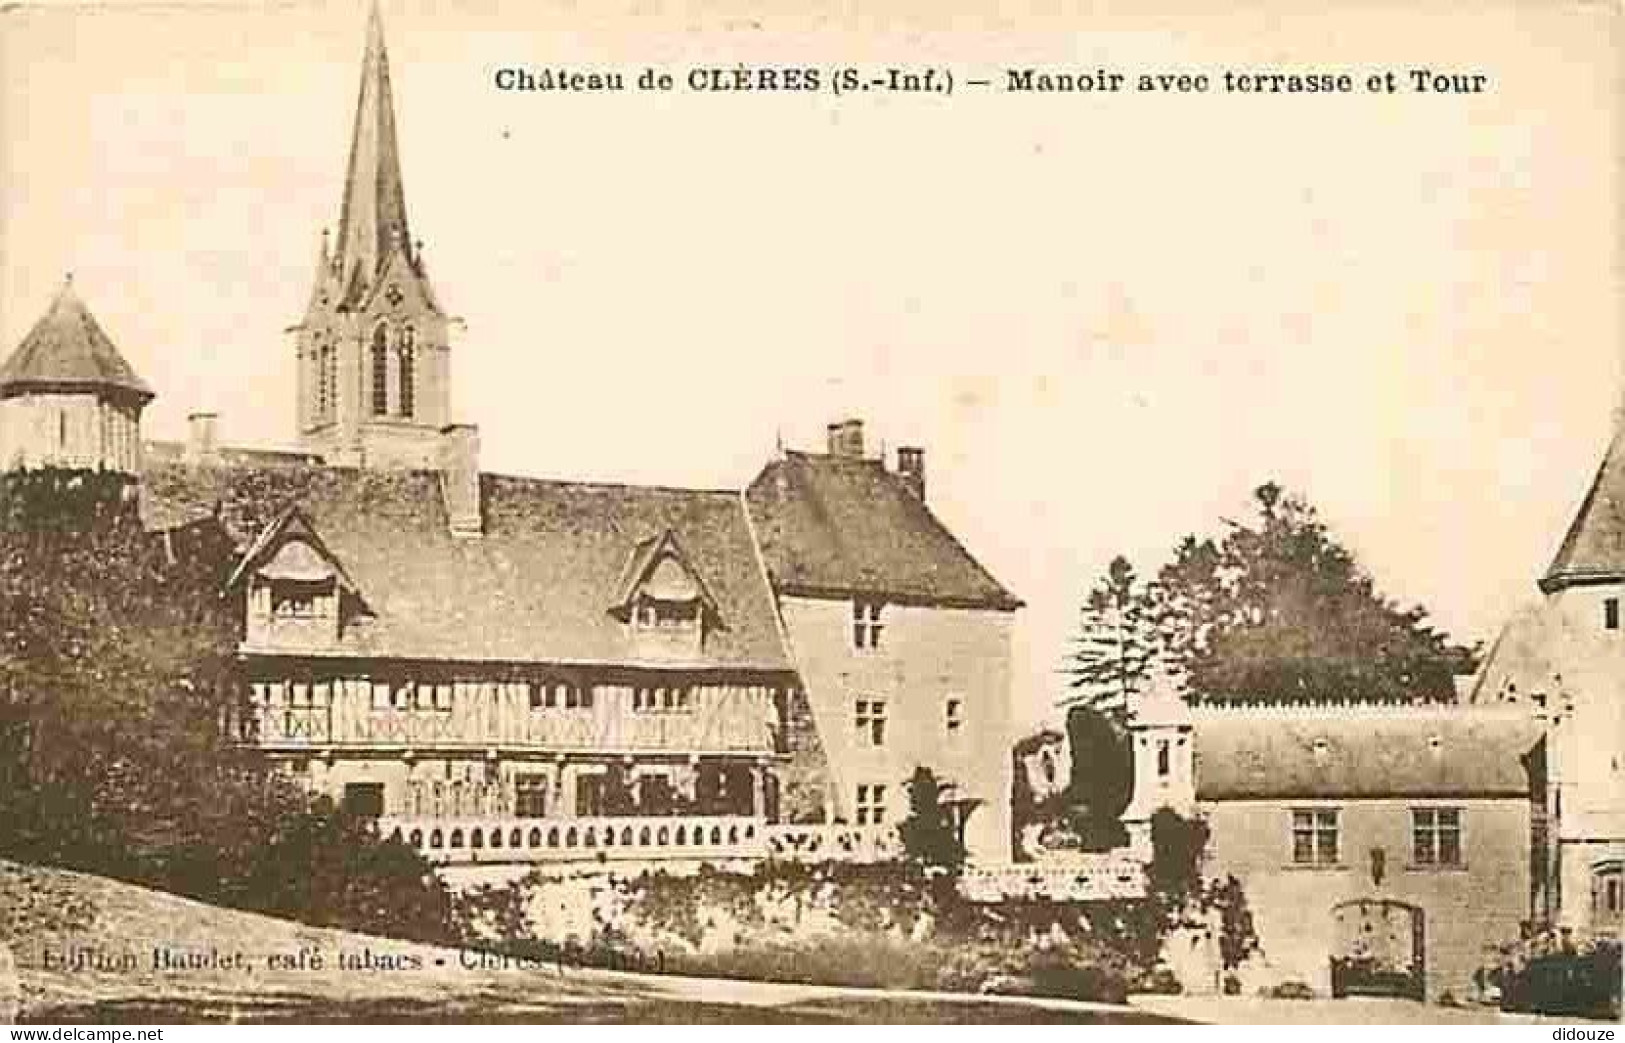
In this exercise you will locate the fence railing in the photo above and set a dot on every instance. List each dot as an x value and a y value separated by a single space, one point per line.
1111 875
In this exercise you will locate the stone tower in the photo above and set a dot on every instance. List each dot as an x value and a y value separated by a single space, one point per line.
1164 749
373 358
67 397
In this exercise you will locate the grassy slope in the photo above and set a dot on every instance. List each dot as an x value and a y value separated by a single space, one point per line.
47 912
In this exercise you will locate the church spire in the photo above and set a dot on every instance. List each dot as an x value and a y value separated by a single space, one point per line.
373 217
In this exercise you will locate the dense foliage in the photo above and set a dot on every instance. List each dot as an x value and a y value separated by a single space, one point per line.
929 834
117 684
1276 611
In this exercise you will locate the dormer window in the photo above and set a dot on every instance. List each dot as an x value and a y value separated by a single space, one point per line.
296 592
663 600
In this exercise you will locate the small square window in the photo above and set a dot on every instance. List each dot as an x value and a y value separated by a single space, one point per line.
866 625
869 716
1314 836
871 805
1436 836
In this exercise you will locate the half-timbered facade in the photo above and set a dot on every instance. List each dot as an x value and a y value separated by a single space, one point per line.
515 670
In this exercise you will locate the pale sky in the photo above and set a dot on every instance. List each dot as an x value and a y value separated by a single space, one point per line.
1106 317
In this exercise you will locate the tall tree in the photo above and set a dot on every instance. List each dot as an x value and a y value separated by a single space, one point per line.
1276 611
1118 638
1297 619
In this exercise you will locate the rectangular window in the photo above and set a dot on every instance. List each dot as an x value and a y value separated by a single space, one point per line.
530 796
871 805
954 715
866 625
869 715
1314 837
1610 613
442 696
589 795
364 799
1164 765
1436 836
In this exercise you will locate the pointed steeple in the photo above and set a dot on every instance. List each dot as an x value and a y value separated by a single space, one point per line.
373 218
1593 550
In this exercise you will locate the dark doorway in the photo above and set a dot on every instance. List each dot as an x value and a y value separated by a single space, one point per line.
1379 949
364 799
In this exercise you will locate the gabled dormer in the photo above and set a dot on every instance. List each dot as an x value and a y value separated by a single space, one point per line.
296 594
663 601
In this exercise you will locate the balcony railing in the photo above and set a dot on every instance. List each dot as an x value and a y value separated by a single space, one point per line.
507 839
832 842
283 725
1088 878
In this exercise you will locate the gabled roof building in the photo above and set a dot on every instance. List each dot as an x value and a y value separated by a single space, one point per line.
510 671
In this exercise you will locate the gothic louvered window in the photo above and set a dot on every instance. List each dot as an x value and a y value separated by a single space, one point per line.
324 380
406 349
380 372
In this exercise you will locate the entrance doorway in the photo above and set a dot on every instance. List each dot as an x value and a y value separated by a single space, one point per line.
1379 948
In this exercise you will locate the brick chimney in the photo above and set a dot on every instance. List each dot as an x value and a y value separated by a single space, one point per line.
911 468
846 439
460 479
202 437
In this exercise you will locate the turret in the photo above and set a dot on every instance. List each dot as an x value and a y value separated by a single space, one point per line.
67 397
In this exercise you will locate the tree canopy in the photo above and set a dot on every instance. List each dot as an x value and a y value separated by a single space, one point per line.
117 686
1275 611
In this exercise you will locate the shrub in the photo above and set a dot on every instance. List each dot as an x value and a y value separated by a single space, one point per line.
1568 982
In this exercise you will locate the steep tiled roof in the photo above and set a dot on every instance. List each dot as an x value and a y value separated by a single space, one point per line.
1594 547
1524 660
537 587
67 349
1332 755
842 526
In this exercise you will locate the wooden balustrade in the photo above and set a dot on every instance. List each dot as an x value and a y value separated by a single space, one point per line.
489 839
507 839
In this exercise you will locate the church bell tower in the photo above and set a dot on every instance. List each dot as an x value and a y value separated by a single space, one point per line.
373 352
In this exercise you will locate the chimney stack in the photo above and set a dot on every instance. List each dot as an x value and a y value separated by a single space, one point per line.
911 467
846 440
202 433
460 479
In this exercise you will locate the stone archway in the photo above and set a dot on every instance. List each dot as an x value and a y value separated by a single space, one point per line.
1378 949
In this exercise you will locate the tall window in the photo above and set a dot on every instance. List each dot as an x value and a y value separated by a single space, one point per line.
1610 613
954 715
1314 837
870 717
1607 894
325 384
871 805
380 372
866 625
530 796
1164 765
1436 836
405 349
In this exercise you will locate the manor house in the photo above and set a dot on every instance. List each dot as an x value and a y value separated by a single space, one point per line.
504 669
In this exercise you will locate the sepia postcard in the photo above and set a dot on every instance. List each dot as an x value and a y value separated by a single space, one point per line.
692 513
